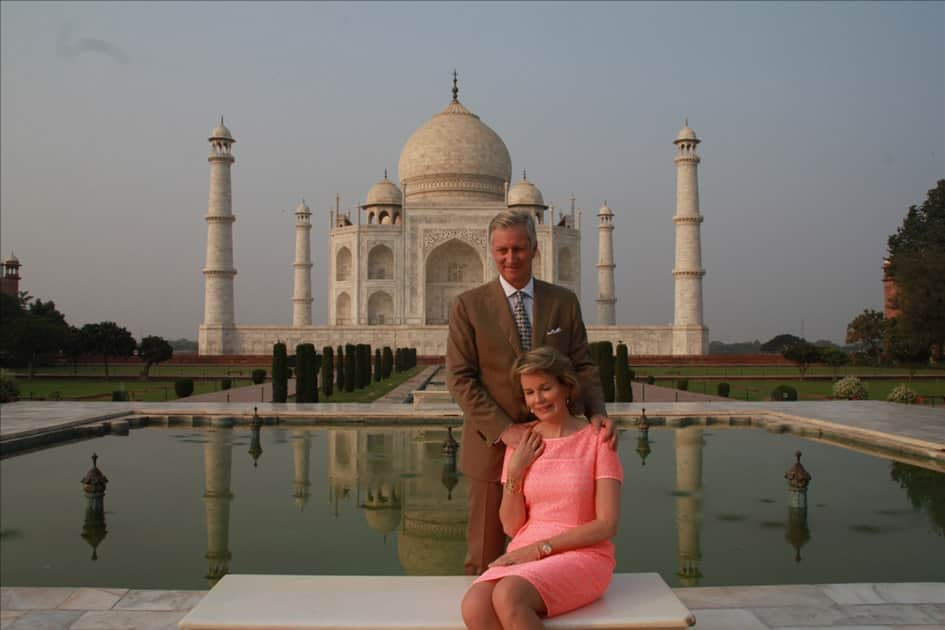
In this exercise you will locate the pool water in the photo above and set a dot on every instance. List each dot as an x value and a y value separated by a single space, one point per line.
701 506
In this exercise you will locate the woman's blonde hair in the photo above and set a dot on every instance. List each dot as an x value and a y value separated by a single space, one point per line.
549 361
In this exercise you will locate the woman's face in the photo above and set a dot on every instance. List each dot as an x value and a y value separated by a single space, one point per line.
545 395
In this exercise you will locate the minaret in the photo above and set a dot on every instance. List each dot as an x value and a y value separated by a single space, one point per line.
606 315
10 284
302 293
219 271
689 336
301 449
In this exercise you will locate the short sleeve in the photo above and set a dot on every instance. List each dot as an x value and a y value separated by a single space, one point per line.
607 465
505 463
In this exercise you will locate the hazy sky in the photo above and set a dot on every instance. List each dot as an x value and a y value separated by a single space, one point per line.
821 124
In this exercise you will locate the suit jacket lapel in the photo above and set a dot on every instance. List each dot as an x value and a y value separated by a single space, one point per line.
540 313
503 315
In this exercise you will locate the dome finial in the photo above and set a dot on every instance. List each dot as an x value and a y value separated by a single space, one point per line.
524 174
686 121
455 87
385 173
221 120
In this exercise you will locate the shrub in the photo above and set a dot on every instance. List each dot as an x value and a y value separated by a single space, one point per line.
783 392
724 389
259 375
650 379
328 371
340 369
9 390
350 366
387 362
183 387
119 395
901 394
280 373
850 388
683 384
605 354
226 383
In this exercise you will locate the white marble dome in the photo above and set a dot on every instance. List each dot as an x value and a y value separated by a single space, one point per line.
455 156
525 193
383 193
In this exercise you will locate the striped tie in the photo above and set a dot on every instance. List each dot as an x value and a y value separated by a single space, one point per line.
521 321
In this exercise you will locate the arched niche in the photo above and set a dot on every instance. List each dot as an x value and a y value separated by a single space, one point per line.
343 265
343 309
380 263
450 269
380 308
565 265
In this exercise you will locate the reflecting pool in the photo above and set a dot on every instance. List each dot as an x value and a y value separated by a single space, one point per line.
700 505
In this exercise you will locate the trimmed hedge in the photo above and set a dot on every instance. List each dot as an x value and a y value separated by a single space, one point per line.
622 376
723 389
328 371
377 365
259 376
340 369
683 384
387 362
351 364
783 392
183 387
119 395
226 383
280 373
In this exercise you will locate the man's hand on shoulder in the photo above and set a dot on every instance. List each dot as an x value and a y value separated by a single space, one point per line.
513 434
605 424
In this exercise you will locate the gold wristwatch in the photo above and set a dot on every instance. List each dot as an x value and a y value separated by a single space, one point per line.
545 549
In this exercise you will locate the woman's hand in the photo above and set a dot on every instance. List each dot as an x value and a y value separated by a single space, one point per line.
529 553
528 450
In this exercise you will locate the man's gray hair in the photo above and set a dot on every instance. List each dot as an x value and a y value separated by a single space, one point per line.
514 218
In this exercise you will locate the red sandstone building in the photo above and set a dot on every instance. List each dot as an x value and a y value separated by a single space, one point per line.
10 282
889 292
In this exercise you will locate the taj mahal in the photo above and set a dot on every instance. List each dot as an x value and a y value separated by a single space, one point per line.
420 240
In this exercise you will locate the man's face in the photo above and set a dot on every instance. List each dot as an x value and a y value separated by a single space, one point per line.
513 255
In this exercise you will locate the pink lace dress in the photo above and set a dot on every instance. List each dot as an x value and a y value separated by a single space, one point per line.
559 494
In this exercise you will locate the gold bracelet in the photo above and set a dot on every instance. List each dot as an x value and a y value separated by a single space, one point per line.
511 487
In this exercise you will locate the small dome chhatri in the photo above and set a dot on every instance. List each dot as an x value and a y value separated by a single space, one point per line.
220 132
302 208
525 193
605 210
687 133
384 193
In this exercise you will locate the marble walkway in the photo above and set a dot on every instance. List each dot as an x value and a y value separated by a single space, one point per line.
911 606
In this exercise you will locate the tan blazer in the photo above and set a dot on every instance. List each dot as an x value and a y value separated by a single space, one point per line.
482 345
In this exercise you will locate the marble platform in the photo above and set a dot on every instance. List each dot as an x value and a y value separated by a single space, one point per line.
902 606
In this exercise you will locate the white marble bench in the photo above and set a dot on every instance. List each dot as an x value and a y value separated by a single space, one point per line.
302 602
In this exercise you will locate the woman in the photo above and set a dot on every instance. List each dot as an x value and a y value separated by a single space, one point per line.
560 506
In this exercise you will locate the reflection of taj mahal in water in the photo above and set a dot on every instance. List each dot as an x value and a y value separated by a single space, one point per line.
408 492
397 265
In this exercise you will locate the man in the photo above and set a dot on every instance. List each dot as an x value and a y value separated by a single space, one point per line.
487 330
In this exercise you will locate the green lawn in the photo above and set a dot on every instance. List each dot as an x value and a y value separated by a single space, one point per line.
149 391
133 370
811 390
776 370
373 391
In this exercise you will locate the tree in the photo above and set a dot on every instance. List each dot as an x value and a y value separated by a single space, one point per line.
802 354
866 331
280 372
903 348
74 346
30 331
834 357
779 343
109 340
154 350
917 266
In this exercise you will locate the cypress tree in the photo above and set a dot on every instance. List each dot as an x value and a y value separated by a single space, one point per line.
328 370
351 363
606 368
622 375
340 368
377 365
280 373
387 362
301 361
